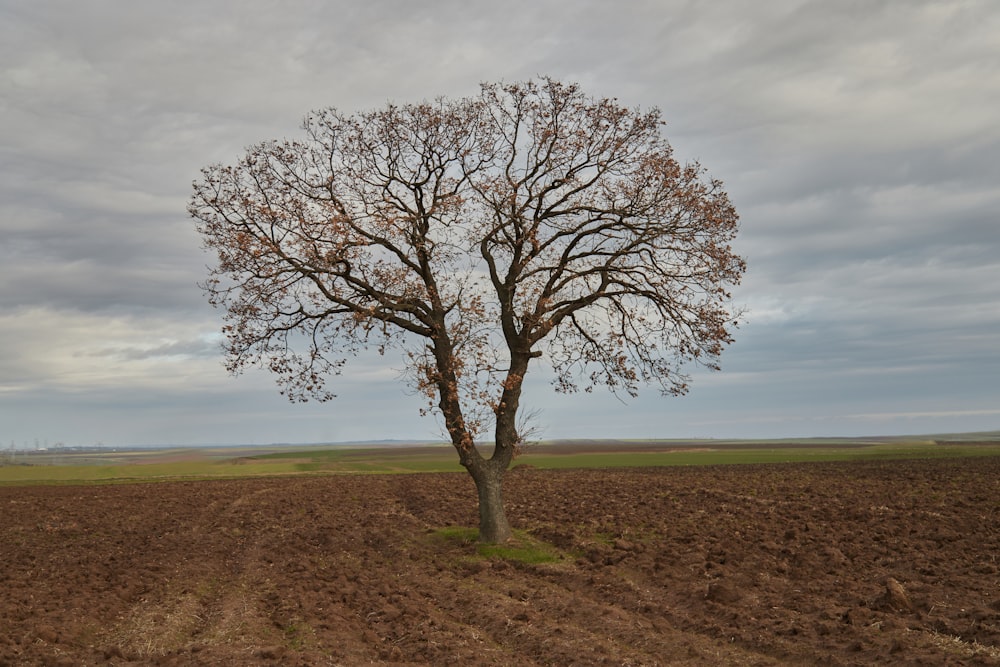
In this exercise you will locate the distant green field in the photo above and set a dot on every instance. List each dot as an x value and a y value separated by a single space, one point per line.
138 472
220 463
726 456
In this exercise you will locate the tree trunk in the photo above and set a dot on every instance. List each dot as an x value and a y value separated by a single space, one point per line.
486 473
493 525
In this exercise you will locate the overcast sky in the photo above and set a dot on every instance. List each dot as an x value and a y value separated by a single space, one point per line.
858 140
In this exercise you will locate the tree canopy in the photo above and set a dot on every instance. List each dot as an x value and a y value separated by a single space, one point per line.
476 235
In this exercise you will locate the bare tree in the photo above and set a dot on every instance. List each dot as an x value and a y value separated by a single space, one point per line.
528 222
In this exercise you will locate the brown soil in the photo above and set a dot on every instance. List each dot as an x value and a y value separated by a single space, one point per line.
835 564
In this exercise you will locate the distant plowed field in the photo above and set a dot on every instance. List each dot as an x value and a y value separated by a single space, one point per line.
859 563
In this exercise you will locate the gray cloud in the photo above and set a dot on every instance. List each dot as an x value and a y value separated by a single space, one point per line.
858 140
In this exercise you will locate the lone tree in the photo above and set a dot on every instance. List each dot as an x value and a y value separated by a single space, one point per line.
530 222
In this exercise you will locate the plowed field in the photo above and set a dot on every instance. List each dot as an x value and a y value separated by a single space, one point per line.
836 563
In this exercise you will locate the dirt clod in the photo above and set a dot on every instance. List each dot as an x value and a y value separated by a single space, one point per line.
723 593
895 597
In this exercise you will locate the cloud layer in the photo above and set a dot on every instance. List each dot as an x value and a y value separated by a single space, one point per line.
858 141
